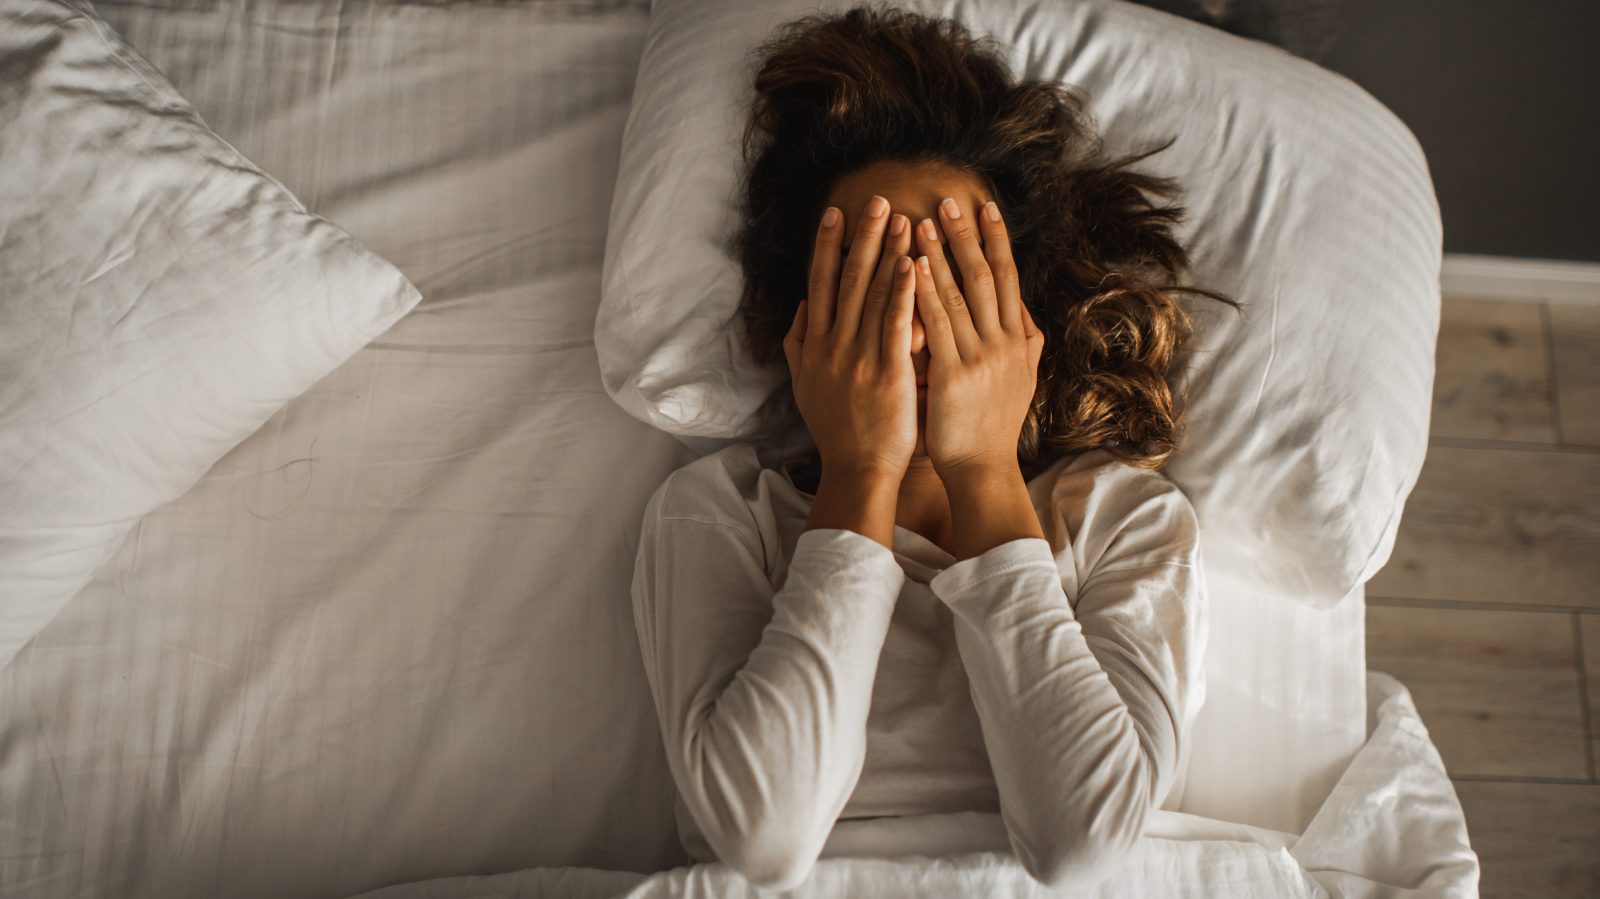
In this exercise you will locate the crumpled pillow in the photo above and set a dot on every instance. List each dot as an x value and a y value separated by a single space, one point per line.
162 298
1309 202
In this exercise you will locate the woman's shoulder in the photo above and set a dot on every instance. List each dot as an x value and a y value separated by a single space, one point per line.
1102 472
1096 501
712 486
742 485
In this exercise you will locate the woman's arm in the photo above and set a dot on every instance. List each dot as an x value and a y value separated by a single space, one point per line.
1081 702
763 698
860 499
988 507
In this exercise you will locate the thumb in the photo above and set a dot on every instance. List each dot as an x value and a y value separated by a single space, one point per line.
1028 326
1035 335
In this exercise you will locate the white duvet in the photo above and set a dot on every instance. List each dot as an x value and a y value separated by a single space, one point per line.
386 643
1391 828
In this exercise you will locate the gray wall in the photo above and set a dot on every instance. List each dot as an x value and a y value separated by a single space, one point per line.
1505 99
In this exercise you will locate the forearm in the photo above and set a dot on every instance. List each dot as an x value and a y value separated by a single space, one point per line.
763 697
1082 698
771 761
989 506
1074 776
856 499
1076 767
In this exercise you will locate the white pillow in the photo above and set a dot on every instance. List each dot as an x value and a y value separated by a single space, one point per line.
1309 202
162 298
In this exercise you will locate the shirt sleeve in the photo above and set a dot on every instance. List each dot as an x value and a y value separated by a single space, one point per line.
762 697
1082 701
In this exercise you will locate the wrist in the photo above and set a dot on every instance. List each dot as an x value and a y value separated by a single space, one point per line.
989 506
857 498
863 473
980 477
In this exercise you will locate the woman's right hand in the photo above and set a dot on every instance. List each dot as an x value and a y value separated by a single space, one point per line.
849 347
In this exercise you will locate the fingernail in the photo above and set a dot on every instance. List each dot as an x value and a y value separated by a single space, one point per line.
992 211
922 263
877 207
928 231
897 224
830 218
950 208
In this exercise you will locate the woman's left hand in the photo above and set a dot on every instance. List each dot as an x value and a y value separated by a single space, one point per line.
983 346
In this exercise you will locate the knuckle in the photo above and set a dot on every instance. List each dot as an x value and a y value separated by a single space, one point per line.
818 283
860 374
850 281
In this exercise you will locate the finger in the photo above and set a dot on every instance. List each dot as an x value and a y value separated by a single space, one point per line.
824 279
1034 332
1007 286
1029 326
977 281
935 320
859 267
795 340
944 284
897 328
895 245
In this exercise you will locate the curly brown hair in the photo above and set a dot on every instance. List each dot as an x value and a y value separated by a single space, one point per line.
1095 255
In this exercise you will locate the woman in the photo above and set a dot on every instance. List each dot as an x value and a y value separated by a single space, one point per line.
902 624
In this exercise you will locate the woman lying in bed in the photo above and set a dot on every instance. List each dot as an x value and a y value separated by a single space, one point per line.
905 625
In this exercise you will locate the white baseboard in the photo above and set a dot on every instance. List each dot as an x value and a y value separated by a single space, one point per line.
1515 278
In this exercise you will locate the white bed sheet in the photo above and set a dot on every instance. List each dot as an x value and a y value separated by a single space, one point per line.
1391 828
388 639
389 636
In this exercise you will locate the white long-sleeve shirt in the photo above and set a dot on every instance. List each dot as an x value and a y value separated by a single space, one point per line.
803 677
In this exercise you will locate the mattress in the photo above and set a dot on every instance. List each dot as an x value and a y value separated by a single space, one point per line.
388 638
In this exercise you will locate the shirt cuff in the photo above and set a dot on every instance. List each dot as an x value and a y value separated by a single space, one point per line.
854 546
1023 552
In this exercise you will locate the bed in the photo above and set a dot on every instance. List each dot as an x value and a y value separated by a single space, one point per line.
384 646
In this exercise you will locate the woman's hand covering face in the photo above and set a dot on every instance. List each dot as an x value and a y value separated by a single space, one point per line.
849 347
983 345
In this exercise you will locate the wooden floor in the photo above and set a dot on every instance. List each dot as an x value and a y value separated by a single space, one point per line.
1489 608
